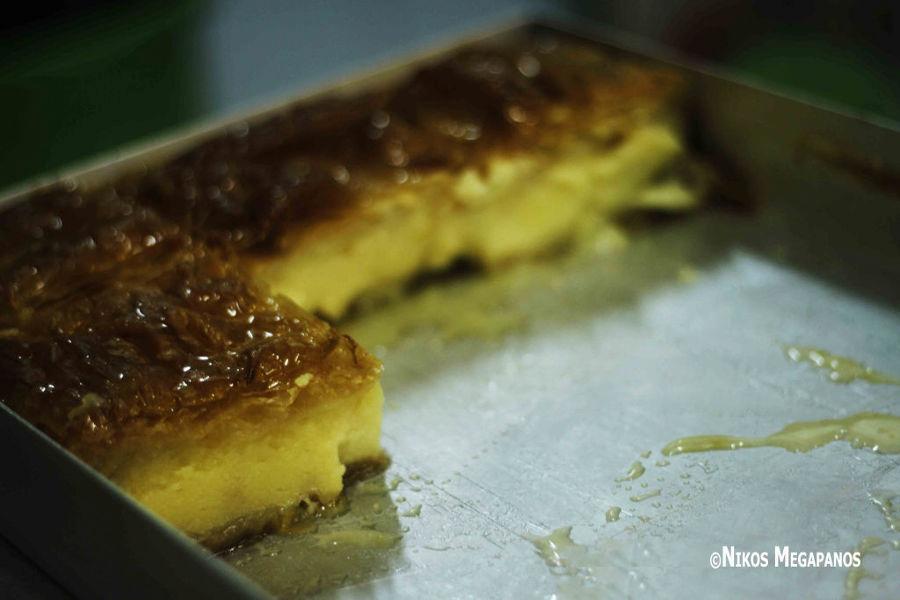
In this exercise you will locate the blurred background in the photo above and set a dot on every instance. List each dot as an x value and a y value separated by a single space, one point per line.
81 78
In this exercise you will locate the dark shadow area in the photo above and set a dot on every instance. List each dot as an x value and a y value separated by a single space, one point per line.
85 81
844 51
23 579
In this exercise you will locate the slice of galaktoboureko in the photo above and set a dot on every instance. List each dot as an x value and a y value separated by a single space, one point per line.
136 323
218 406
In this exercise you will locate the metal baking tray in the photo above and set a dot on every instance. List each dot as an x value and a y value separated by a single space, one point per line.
520 419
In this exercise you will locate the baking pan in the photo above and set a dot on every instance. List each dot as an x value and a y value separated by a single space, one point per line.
512 431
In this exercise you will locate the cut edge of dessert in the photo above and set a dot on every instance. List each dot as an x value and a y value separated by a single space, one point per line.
514 208
260 476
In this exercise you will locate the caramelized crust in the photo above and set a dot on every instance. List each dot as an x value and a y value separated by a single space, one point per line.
170 341
315 162
58 240
122 310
